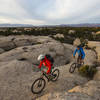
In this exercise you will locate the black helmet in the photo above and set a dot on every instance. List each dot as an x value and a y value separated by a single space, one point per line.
78 46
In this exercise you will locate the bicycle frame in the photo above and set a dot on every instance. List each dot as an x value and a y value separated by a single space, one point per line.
44 74
78 61
40 83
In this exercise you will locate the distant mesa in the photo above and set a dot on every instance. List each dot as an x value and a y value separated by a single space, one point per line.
62 25
16 25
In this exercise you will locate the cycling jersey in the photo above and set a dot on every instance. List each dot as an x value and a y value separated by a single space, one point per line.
46 63
80 52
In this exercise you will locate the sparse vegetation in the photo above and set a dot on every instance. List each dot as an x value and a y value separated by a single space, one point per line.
75 32
87 71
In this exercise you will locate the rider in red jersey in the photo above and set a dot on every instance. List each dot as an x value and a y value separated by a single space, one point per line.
46 62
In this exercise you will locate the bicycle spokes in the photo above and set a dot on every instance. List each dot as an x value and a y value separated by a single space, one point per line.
55 75
72 68
38 85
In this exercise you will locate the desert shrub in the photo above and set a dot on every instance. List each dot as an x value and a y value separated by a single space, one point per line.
38 43
93 48
52 50
62 40
87 71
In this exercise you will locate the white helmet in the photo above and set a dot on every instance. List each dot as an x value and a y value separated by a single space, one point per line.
40 57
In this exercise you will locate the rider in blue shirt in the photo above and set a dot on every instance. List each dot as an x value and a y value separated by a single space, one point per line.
81 54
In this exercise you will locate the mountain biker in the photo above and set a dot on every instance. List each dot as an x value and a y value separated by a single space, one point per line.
81 54
46 62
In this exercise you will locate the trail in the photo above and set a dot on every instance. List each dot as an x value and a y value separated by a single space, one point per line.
65 82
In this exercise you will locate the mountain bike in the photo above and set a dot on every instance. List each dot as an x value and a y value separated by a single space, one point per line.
75 65
40 83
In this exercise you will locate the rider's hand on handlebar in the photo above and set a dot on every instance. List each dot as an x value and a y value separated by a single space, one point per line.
74 57
43 72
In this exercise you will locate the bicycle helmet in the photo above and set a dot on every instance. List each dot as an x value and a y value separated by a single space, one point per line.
41 57
78 46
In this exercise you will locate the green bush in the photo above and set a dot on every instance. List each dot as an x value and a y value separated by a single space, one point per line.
87 71
93 48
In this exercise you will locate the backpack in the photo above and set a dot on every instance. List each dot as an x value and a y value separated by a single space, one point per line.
49 57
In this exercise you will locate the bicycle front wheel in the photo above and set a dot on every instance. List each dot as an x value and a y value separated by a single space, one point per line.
55 75
38 86
72 68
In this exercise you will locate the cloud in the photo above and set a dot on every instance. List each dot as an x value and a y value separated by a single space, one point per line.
22 21
75 11
11 8
49 11
69 8
13 12
34 22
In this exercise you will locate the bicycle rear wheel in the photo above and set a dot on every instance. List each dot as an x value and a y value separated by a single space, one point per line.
38 86
72 68
55 75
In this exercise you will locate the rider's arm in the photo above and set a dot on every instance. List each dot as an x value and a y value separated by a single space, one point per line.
83 53
75 52
49 66
41 62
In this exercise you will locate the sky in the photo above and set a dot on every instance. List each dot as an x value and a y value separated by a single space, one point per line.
49 12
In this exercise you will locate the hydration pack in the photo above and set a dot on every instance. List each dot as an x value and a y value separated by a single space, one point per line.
50 58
